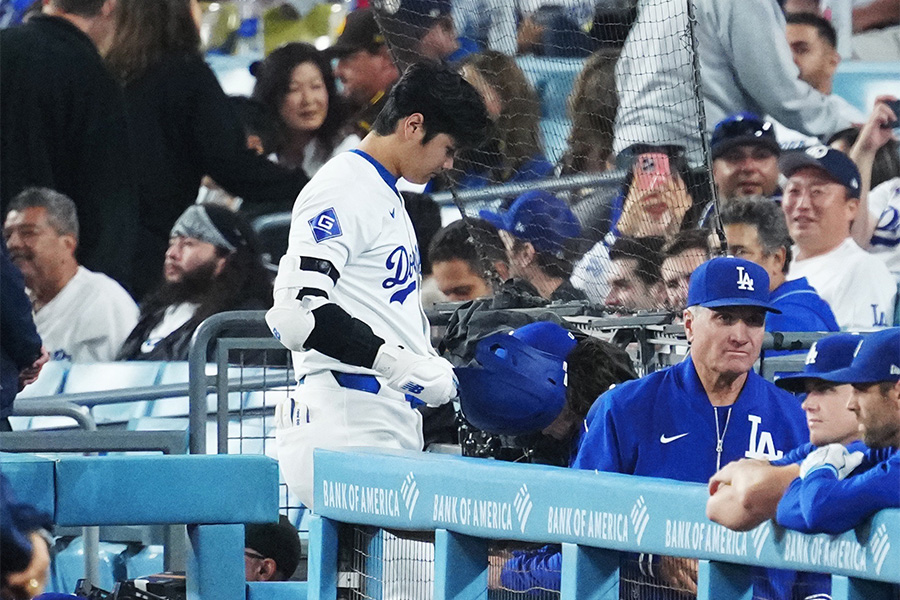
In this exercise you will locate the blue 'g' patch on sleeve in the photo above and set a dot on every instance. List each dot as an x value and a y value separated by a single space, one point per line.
325 225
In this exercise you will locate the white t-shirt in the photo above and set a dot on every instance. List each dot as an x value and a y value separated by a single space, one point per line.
884 205
350 215
857 286
88 319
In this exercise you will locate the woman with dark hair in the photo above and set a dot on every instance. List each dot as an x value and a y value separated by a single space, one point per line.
297 84
513 152
182 126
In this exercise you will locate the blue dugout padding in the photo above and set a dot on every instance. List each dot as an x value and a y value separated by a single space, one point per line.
594 516
213 495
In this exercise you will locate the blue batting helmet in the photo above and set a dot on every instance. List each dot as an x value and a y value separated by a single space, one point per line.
519 383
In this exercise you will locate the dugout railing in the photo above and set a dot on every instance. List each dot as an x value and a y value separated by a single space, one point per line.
465 503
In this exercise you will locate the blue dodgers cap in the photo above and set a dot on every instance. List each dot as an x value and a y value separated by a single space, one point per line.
742 129
538 217
827 354
730 281
876 359
835 163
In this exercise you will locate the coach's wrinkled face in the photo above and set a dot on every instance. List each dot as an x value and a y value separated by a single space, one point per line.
877 409
725 340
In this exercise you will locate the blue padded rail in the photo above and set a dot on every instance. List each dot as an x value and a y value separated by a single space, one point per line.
146 490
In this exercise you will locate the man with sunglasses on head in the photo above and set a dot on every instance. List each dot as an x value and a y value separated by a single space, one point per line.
707 411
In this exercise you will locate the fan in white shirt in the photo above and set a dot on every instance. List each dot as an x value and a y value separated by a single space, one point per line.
81 316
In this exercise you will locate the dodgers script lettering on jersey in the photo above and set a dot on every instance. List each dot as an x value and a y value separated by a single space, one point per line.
403 266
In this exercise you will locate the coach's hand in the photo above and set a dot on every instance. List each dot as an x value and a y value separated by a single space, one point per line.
426 378
833 456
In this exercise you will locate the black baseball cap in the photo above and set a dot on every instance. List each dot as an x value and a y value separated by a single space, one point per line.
360 32
743 129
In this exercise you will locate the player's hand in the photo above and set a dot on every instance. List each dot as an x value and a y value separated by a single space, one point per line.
429 379
833 456
678 572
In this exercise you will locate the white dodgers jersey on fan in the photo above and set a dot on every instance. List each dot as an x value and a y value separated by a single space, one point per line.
351 214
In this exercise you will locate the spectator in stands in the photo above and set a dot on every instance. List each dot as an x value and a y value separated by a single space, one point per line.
81 315
540 235
876 229
681 256
420 30
821 200
63 126
755 229
745 157
212 265
456 264
296 83
271 550
635 282
837 490
592 108
742 68
513 152
654 201
182 126
365 67
21 354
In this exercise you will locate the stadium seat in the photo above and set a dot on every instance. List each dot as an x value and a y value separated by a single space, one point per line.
141 561
68 565
102 377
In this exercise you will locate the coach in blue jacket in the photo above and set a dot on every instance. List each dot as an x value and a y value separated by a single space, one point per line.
686 421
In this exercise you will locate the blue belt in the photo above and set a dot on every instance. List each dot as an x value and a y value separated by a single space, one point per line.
354 381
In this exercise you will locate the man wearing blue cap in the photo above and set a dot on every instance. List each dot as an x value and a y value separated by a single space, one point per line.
820 202
838 489
745 156
540 234
686 421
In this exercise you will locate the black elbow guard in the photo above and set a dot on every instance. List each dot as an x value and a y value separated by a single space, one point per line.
342 337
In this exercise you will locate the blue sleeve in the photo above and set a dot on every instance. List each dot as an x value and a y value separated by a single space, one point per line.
828 505
17 520
533 570
21 341
602 447
794 456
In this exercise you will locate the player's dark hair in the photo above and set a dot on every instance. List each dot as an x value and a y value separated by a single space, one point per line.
593 366
687 240
447 102
82 8
257 120
768 218
273 81
647 252
454 242
823 27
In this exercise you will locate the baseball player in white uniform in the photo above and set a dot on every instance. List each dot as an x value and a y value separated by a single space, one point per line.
347 294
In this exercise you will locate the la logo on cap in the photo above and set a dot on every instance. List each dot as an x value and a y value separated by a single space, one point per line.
813 355
744 281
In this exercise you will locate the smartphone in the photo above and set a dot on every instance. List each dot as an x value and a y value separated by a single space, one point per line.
894 105
651 167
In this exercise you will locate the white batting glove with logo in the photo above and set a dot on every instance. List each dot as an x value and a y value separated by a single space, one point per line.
428 379
833 456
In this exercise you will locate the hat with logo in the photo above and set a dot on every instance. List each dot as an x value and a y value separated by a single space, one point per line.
729 281
876 359
827 354
361 32
538 217
743 129
834 162
418 14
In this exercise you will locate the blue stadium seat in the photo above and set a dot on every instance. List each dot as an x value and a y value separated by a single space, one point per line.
148 560
102 377
68 566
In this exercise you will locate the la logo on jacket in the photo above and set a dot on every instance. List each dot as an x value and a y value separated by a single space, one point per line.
761 445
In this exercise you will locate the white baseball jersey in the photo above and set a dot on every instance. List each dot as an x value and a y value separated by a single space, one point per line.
884 205
857 286
351 214
88 319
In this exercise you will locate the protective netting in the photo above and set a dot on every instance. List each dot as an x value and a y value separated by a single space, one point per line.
594 166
